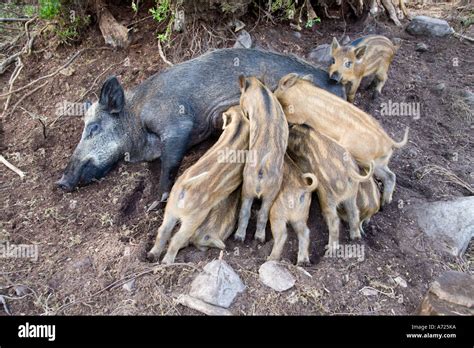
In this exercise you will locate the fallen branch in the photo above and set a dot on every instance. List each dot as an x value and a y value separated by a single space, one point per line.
12 167
19 66
463 37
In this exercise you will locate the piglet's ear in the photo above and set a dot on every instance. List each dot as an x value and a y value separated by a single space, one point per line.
112 96
335 45
287 81
360 51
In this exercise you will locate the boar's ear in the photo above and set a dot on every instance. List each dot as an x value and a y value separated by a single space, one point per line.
335 45
288 81
244 83
360 51
112 97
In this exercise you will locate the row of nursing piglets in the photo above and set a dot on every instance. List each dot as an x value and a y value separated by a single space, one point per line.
298 139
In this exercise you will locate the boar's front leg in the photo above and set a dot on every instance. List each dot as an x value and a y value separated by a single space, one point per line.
175 142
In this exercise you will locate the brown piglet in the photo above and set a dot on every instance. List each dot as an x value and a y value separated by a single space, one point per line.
349 126
337 174
202 187
292 207
268 141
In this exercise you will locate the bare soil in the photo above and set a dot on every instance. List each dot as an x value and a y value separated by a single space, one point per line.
93 240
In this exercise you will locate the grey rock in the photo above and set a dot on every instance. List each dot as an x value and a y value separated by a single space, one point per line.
421 47
428 26
273 275
296 34
244 40
345 40
321 55
217 284
440 87
450 224
129 286
468 97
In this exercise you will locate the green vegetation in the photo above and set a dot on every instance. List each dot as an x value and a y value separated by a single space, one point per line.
49 9
160 12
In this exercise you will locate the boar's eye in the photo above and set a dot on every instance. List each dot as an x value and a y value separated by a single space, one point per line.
348 64
93 129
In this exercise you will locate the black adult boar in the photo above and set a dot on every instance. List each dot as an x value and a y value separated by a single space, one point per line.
171 111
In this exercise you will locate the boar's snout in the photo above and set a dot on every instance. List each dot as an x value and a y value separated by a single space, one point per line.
335 76
64 184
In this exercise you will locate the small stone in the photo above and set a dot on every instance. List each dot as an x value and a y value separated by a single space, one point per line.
21 290
401 282
296 34
67 71
129 286
428 26
273 275
217 284
440 87
421 47
368 291
244 40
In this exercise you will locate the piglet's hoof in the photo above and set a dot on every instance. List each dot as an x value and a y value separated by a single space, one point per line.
152 257
259 237
239 237
167 260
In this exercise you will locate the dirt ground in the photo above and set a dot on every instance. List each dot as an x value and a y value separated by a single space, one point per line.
94 240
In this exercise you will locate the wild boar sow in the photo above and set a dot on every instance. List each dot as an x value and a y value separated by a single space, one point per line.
352 128
201 187
171 111
368 55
